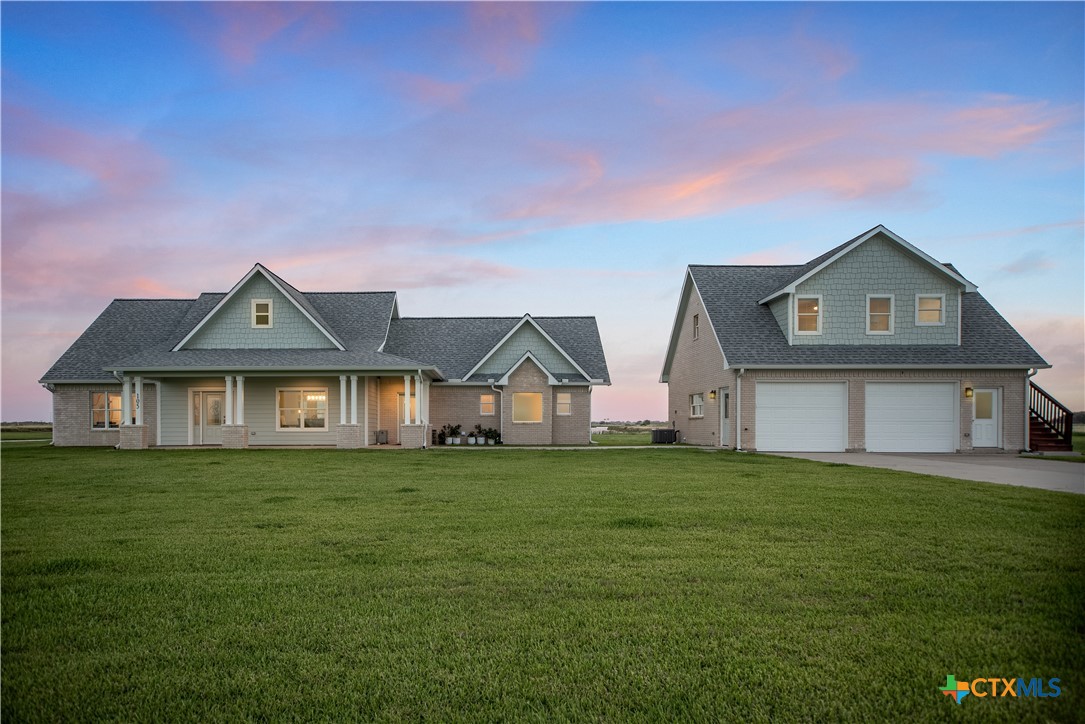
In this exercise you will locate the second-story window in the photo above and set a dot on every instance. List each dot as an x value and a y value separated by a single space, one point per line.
930 309
879 314
696 326
808 315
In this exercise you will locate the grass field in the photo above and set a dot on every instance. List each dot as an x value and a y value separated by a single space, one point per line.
611 439
647 584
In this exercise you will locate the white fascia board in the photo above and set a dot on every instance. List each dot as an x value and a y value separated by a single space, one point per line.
259 268
393 313
896 367
525 320
528 356
879 229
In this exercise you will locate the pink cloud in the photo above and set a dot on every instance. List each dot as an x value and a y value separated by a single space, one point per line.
791 253
504 34
245 28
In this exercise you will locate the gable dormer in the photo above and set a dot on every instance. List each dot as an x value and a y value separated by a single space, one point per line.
875 290
261 312
527 340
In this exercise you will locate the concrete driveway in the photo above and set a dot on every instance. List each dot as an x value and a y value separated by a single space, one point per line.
1006 469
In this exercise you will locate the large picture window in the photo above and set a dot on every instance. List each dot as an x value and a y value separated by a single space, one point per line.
106 411
527 407
302 409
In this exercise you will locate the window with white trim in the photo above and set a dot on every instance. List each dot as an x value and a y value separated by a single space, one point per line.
106 410
302 409
696 326
930 310
808 311
486 404
527 407
879 314
564 405
261 313
696 405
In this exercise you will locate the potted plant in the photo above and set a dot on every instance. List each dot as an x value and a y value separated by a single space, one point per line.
478 436
491 436
448 434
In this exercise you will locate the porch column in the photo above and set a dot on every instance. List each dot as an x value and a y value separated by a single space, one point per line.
354 399
365 411
423 410
407 399
342 399
239 413
229 400
126 400
139 400
417 399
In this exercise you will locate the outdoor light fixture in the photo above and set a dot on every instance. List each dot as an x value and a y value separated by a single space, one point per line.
968 392
712 395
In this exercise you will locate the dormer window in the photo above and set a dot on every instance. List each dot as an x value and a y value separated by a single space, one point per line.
808 315
879 314
261 313
930 310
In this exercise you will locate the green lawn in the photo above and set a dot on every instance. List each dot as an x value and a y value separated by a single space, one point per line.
623 438
525 584
26 435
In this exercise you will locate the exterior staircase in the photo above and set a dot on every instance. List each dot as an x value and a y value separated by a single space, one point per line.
1050 423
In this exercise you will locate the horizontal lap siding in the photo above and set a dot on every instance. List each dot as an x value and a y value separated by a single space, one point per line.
261 410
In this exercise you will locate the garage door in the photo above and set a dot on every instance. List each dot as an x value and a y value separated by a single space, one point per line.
801 416
911 416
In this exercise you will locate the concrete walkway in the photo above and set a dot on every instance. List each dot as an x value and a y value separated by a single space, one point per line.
1006 469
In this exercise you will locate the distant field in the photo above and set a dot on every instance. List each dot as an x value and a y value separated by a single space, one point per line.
622 438
587 585
26 432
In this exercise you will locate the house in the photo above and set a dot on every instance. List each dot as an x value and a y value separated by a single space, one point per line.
872 346
265 364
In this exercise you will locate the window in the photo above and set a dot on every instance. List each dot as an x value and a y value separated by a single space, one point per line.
808 315
261 313
527 407
879 314
106 410
564 404
302 409
696 405
930 309
696 326
485 404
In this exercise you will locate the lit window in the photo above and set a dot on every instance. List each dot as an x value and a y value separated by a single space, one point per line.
527 407
106 410
696 326
879 318
564 404
808 315
930 309
302 409
485 404
696 405
261 313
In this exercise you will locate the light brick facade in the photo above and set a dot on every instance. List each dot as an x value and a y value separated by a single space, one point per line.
72 416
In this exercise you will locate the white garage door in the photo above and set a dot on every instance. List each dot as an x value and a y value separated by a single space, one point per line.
801 416
911 416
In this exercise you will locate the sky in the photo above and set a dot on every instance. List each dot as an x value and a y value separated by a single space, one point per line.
495 159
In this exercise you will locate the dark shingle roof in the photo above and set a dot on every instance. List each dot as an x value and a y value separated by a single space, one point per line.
750 335
461 342
135 334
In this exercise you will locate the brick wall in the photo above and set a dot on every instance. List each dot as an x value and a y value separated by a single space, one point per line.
697 367
459 405
72 419
575 428
528 378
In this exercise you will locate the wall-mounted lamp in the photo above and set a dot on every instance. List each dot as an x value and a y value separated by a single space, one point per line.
712 394
968 392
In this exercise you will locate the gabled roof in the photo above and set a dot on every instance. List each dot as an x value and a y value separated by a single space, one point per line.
504 379
463 342
813 266
525 320
285 289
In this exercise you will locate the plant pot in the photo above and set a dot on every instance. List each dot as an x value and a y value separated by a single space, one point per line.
491 441
448 441
455 441
470 441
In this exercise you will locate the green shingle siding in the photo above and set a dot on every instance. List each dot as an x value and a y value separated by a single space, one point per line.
878 267
527 339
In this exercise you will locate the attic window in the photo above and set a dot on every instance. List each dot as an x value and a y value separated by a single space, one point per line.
808 315
696 326
261 313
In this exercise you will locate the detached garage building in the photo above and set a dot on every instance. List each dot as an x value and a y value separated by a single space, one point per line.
873 346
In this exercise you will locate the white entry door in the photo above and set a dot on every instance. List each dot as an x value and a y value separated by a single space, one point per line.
725 416
208 414
985 421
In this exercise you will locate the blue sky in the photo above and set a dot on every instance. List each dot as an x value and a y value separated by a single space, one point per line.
494 159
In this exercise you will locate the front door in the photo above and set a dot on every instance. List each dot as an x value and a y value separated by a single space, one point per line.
985 421
725 416
207 417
